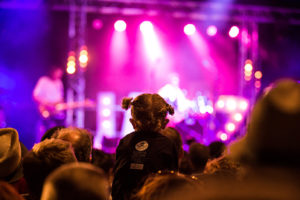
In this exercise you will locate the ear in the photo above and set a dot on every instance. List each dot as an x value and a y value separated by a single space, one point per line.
164 124
133 123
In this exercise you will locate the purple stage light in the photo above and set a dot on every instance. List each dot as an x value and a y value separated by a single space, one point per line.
97 24
189 29
120 25
146 26
234 31
211 30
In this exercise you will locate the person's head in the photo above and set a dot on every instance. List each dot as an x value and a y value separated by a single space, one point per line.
10 154
76 181
8 192
216 149
42 160
56 73
223 168
148 111
273 137
81 141
199 155
50 133
168 187
102 160
174 135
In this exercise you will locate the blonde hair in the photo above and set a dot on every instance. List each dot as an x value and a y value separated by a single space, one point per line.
148 110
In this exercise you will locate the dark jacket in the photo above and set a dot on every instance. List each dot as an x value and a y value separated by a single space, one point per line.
138 155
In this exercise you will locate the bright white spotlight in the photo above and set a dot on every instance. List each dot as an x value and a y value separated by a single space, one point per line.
120 25
106 112
189 29
106 100
211 30
223 136
243 105
220 104
146 27
231 104
234 31
238 117
230 127
106 124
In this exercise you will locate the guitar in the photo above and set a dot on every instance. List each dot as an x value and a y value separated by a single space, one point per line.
56 110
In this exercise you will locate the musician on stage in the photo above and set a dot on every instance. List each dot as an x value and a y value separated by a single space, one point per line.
48 93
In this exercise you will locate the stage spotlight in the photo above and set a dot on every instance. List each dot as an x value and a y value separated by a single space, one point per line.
234 31
189 29
248 67
231 104
243 105
97 24
146 26
238 117
106 112
257 84
106 101
211 30
83 57
120 25
220 104
71 64
230 127
258 75
223 136
106 124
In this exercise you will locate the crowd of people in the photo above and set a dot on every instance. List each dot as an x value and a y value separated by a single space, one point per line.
150 163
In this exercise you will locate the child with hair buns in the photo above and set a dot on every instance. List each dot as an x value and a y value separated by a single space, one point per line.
145 150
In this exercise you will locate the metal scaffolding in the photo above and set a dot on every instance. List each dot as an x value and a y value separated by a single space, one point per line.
76 82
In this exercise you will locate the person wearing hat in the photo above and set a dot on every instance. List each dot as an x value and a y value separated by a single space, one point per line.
10 159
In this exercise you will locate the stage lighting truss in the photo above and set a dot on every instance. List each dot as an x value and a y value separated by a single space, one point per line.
217 11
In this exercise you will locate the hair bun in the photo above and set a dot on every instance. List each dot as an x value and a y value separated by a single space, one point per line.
126 103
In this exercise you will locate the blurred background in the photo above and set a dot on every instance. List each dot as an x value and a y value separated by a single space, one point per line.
209 59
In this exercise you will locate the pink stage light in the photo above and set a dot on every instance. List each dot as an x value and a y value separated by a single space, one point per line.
97 24
146 27
152 44
211 30
257 84
120 25
230 127
189 29
234 31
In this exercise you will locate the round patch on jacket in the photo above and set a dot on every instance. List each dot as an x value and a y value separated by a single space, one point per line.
142 145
